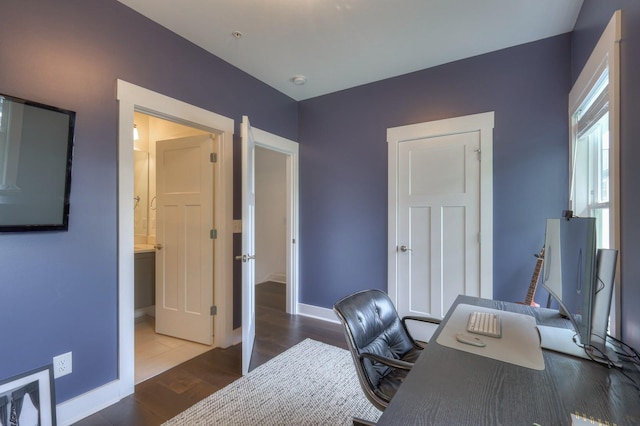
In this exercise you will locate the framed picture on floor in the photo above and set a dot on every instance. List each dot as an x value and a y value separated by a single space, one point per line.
28 399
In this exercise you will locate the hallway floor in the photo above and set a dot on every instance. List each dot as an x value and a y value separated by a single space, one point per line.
156 353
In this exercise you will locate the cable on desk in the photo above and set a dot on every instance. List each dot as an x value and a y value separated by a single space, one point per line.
608 362
634 357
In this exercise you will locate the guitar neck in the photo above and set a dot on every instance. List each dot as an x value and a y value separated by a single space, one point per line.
533 285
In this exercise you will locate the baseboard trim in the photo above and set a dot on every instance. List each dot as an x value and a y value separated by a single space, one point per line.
235 336
317 312
149 310
91 402
76 409
273 277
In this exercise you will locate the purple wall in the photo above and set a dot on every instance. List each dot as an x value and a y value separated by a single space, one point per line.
59 290
343 164
593 18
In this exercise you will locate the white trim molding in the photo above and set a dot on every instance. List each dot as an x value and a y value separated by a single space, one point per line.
133 98
606 55
76 409
482 123
324 314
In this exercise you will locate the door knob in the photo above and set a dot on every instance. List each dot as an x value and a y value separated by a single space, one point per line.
158 246
245 257
404 248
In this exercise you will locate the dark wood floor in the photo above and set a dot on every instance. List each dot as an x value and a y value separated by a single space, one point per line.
164 396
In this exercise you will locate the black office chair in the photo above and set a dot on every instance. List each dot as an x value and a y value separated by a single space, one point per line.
380 344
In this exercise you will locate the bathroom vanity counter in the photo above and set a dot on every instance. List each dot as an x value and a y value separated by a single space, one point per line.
143 248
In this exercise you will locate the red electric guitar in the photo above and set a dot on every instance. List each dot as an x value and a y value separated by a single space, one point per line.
533 285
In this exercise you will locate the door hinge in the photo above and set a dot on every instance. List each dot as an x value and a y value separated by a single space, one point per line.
213 234
293 241
213 157
479 151
214 310
479 238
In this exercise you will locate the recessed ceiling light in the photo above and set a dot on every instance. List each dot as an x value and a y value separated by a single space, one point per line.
298 80
236 34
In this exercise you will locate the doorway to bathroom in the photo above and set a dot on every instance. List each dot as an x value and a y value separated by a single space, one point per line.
173 204
132 99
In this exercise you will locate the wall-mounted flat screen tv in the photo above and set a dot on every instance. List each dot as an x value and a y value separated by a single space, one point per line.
36 150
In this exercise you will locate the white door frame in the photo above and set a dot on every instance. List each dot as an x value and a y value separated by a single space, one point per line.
290 149
134 98
483 123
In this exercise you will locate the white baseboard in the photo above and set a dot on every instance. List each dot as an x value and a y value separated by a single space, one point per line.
88 403
317 312
91 402
278 278
236 336
149 310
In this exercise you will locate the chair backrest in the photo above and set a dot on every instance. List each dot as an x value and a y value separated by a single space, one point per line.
372 325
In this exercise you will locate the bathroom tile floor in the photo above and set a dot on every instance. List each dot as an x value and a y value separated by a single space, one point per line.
156 353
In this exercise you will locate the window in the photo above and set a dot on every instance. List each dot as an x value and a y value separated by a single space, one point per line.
590 190
594 145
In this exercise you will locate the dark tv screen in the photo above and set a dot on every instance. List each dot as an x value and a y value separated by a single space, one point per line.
36 151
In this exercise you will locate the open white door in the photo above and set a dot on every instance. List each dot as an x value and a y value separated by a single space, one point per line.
248 244
184 248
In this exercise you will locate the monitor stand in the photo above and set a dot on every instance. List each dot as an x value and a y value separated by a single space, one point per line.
601 304
566 341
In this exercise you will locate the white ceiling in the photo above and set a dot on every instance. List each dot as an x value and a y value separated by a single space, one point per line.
338 44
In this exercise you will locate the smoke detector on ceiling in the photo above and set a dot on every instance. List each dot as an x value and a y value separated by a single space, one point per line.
298 80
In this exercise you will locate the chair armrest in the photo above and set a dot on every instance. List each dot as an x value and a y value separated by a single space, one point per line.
417 344
395 363
423 319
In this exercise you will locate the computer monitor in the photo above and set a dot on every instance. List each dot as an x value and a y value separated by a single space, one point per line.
570 269
580 277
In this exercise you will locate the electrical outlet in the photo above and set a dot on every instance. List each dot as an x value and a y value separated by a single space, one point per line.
62 365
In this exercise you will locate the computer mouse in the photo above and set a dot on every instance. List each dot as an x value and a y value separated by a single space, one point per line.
470 340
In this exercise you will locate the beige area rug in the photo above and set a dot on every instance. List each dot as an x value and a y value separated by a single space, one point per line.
312 383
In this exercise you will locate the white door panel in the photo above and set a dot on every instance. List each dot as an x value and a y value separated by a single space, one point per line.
184 253
438 206
248 244
435 216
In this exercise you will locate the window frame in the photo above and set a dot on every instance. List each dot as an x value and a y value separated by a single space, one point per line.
605 56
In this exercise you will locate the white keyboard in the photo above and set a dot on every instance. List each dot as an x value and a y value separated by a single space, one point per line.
485 323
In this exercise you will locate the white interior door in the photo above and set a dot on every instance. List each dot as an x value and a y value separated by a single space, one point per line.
184 248
248 244
438 222
437 217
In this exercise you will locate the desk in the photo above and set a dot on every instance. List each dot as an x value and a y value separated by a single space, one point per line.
451 387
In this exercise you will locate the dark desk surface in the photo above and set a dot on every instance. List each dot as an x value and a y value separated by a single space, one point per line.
451 387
